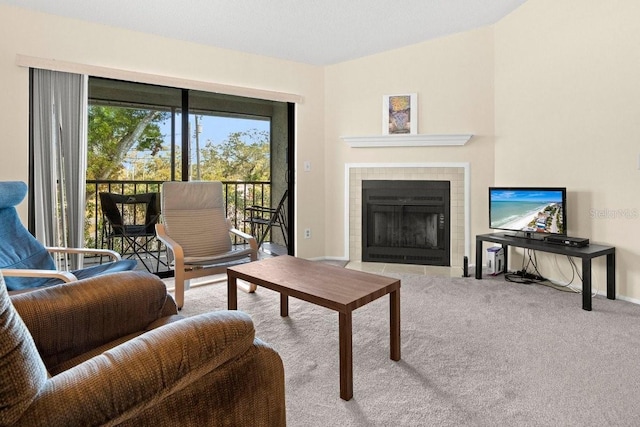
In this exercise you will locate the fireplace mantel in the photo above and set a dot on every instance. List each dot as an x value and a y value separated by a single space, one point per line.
419 140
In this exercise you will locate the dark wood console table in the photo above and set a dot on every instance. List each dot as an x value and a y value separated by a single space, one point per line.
586 254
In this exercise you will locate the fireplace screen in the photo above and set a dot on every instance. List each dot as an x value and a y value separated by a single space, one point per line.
406 226
406 222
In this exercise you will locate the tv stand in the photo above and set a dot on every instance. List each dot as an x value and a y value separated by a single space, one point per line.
527 236
586 254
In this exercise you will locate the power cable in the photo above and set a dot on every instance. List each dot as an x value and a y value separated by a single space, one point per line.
530 261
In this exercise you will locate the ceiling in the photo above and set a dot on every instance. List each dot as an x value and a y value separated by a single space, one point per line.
317 32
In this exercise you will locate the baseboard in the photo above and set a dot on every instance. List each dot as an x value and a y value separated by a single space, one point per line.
329 258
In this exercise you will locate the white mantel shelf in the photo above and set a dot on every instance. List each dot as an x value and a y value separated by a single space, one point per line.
420 140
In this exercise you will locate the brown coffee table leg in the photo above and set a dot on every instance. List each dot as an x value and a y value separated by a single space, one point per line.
284 305
346 356
232 292
394 321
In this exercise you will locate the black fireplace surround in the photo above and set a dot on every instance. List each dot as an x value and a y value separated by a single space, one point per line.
406 222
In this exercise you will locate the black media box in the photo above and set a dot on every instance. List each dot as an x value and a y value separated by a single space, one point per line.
576 242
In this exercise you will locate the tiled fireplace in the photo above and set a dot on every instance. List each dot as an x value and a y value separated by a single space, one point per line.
456 174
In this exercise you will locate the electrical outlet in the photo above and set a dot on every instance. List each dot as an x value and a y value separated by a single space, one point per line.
307 233
307 166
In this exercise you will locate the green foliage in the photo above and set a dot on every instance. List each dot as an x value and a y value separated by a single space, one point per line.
244 156
113 132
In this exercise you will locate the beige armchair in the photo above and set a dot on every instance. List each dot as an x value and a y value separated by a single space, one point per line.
197 233
111 350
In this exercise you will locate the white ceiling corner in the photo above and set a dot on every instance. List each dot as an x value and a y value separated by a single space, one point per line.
308 31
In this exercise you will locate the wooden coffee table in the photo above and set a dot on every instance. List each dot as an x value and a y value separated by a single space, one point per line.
336 288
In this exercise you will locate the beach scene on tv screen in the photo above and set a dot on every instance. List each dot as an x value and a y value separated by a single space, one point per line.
532 211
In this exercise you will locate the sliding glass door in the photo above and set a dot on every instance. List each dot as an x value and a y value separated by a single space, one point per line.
141 135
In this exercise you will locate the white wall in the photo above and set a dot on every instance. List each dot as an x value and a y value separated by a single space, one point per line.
23 32
568 114
551 94
453 77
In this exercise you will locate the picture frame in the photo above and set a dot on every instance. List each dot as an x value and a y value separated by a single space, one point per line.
400 114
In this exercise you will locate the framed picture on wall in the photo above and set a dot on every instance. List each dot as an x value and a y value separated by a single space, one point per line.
400 114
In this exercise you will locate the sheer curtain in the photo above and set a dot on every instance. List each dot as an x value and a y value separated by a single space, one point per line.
59 151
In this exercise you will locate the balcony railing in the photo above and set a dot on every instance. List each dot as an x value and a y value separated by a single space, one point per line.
238 196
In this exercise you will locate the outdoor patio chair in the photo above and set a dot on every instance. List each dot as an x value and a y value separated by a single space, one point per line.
26 263
131 218
264 218
197 233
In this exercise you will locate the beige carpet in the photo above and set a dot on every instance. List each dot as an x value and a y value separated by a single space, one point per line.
479 353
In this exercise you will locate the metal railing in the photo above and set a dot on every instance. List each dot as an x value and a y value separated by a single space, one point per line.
238 196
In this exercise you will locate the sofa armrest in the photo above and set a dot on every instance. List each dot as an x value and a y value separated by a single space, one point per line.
140 374
70 319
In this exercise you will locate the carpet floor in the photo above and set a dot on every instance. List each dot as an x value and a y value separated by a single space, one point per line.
474 352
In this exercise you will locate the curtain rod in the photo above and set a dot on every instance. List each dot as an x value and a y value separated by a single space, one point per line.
138 77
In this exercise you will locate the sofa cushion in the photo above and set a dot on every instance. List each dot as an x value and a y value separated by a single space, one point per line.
12 193
23 372
19 248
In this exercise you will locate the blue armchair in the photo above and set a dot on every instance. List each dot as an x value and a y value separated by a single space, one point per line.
26 263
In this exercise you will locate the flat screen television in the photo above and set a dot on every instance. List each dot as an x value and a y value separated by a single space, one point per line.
528 211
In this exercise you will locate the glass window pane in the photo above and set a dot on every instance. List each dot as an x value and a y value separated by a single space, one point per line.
229 148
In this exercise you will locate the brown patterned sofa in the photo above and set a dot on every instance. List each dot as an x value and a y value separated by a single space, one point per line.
111 350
